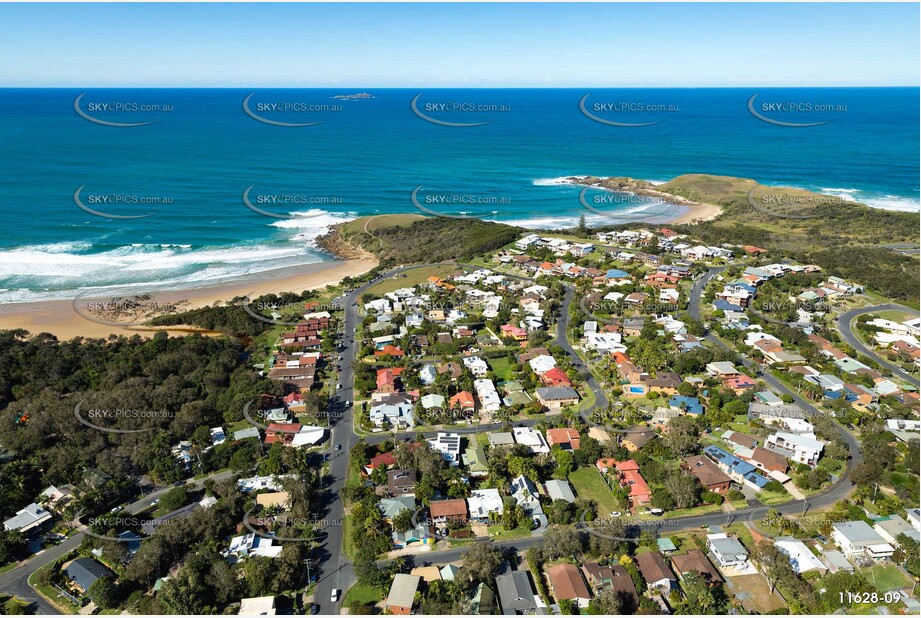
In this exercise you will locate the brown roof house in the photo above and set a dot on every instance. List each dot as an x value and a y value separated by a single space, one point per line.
695 561
768 460
655 571
566 583
444 511
568 439
708 473
616 577
401 482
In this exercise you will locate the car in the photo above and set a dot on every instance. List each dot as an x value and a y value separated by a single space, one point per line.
338 447
348 403
615 513
155 502
116 509
334 595
314 609
338 387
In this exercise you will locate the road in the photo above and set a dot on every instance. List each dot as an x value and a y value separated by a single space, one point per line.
15 581
842 487
844 325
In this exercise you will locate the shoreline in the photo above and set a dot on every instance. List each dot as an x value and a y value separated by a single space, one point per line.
60 318
695 211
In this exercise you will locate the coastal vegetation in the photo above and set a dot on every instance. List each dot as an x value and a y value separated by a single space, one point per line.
846 239
398 240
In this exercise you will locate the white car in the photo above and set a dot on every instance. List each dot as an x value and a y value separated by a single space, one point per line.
334 595
615 513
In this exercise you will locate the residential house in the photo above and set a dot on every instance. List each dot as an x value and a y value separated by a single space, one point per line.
566 583
728 551
402 594
463 401
656 573
855 538
475 461
84 572
628 475
531 438
445 511
892 526
801 557
602 577
560 490
695 561
252 545
565 438
710 476
482 502
516 594
28 520
401 481
636 439
799 448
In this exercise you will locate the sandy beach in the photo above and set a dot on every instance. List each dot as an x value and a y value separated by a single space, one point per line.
63 318
693 212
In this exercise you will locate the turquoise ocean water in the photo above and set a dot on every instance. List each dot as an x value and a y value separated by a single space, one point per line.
188 169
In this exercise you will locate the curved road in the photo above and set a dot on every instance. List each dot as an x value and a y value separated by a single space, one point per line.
16 581
844 326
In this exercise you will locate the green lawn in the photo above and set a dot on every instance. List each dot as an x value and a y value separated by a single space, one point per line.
498 533
887 577
697 510
51 594
360 593
770 498
500 367
412 278
589 485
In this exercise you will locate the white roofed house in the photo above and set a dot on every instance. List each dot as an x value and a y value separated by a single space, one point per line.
433 402
891 527
28 519
252 545
799 448
399 415
801 557
531 438
728 551
428 374
449 445
542 364
476 365
487 395
482 502
857 538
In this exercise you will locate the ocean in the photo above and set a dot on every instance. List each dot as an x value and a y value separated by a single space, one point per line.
71 178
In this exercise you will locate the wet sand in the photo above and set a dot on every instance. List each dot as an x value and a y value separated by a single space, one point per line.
62 317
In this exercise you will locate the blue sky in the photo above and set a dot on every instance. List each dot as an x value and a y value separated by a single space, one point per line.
514 45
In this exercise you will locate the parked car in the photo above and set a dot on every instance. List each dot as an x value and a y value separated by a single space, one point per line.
334 596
